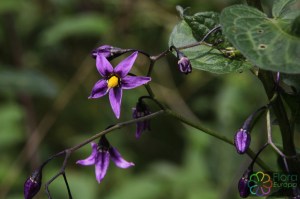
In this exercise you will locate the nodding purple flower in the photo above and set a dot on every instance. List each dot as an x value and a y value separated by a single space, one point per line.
115 80
141 110
242 141
184 63
33 184
100 157
243 186
109 52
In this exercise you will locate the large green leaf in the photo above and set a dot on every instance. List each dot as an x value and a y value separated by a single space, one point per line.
191 30
266 42
281 8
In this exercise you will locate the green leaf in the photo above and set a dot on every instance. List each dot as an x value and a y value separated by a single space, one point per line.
82 25
263 41
281 7
26 81
191 30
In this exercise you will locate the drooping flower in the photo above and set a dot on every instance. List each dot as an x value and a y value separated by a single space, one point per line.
110 52
115 80
242 141
141 110
33 184
100 157
184 63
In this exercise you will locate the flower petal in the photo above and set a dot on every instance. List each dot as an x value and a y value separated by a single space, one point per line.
101 165
115 97
130 82
91 159
100 89
103 65
123 68
118 160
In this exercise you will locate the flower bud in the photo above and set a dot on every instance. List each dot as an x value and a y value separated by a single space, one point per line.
109 52
243 186
141 110
184 63
242 141
33 184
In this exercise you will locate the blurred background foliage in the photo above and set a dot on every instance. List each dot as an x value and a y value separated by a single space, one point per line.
46 75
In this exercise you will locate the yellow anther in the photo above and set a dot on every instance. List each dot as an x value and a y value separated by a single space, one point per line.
112 82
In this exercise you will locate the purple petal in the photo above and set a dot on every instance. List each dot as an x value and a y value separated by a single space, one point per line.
103 65
100 89
130 82
115 97
123 68
101 165
91 159
118 160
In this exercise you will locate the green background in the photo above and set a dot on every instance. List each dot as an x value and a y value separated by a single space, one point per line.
47 73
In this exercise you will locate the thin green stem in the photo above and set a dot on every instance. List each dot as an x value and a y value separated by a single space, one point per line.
216 135
277 105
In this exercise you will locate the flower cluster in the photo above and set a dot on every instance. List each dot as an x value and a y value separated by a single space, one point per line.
113 82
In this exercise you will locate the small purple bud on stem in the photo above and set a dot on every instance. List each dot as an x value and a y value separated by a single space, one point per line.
184 65
141 110
242 141
109 52
243 186
33 184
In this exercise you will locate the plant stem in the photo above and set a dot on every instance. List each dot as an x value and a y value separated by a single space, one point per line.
216 135
282 118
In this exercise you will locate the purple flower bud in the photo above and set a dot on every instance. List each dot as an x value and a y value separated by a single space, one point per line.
184 64
243 186
141 110
33 184
108 52
242 141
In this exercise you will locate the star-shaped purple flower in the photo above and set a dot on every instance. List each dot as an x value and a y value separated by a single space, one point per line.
115 80
100 157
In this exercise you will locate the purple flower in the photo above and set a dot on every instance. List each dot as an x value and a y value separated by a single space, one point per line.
101 154
115 80
184 64
33 184
242 140
109 52
141 110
